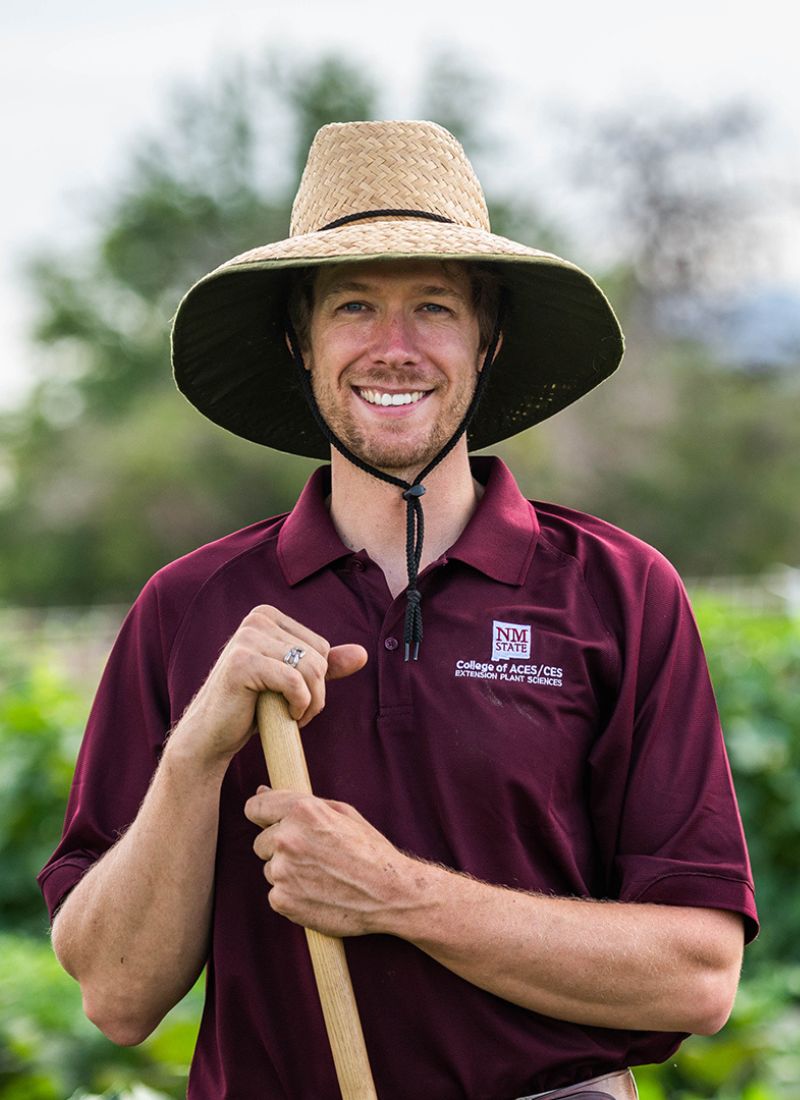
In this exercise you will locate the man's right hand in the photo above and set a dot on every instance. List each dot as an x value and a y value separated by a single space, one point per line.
221 718
134 931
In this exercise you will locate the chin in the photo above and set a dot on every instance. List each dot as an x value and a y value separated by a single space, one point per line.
393 448
398 459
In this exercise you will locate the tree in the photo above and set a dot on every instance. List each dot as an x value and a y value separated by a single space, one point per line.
675 190
113 474
693 455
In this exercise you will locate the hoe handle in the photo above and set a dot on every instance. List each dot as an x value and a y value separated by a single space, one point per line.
286 762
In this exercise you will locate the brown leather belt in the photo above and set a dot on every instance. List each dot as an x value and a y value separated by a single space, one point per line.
612 1086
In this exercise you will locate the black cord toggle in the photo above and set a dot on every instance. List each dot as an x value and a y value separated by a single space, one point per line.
412 631
415 531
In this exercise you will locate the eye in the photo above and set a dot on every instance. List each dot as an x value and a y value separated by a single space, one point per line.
352 307
435 307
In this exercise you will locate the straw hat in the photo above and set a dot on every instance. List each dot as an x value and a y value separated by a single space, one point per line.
388 190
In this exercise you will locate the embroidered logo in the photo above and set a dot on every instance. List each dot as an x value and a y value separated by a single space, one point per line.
510 641
510 662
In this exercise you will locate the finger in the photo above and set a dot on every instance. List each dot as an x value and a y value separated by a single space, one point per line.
345 809
293 686
344 660
311 666
341 661
313 669
319 661
269 617
267 806
264 844
254 661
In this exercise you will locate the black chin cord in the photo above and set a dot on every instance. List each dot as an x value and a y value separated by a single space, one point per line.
412 491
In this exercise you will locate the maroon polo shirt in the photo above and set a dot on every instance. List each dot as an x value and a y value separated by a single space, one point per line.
557 734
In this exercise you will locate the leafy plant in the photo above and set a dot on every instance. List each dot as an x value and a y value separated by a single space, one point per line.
755 667
40 728
49 1050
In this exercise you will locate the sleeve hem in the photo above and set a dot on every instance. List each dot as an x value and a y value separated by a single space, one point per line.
700 889
58 879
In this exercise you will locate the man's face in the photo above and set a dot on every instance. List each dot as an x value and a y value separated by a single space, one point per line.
394 357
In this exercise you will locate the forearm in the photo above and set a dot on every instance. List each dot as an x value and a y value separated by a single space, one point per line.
134 931
608 964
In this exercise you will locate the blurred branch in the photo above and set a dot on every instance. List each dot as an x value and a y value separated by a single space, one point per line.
677 190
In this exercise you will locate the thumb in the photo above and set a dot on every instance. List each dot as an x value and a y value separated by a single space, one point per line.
343 660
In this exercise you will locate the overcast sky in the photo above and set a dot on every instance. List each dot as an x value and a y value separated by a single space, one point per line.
78 81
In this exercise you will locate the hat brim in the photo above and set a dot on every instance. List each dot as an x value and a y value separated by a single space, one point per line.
230 359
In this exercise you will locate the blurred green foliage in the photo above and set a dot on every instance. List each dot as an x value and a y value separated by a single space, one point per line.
755 667
49 1051
40 728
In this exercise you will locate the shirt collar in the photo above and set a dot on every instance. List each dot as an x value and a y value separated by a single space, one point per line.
308 540
501 536
499 539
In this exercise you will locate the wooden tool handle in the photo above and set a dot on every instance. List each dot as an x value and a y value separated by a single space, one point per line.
283 752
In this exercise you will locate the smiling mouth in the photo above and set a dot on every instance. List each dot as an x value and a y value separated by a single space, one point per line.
385 399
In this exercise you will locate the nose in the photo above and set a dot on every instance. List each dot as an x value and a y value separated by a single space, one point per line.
394 343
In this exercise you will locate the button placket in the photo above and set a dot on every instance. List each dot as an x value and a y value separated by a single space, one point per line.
394 684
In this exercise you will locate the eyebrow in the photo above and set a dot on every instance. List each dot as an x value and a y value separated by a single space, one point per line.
439 291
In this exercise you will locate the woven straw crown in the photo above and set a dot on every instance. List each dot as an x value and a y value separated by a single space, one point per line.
417 167
377 191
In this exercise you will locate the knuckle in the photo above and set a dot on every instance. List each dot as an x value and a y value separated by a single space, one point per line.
261 618
276 867
316 669
261 846
297 684
309 810
250 619
241 645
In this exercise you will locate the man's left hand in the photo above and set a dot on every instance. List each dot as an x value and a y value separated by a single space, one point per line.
328 868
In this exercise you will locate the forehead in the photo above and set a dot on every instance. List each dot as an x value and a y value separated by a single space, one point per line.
451 276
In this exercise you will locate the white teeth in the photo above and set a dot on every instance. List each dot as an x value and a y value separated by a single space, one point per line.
374 397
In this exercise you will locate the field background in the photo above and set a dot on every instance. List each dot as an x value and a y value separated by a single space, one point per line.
105 474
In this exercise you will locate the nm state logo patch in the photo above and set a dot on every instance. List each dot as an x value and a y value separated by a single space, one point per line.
510 641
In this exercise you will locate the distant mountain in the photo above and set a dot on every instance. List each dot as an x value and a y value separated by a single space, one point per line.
754 330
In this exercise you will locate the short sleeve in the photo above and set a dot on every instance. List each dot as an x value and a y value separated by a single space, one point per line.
663 796
121 748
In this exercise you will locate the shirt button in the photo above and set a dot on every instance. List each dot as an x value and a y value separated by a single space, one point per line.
358 565
391 643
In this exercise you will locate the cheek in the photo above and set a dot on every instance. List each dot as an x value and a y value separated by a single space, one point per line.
341 348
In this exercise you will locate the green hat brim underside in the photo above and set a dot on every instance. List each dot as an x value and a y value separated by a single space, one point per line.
230 359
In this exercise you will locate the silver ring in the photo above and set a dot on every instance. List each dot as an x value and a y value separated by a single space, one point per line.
294 656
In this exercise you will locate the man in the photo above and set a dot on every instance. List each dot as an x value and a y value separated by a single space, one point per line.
524 823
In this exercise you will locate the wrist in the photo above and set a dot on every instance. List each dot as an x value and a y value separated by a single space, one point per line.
192 753
415 898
